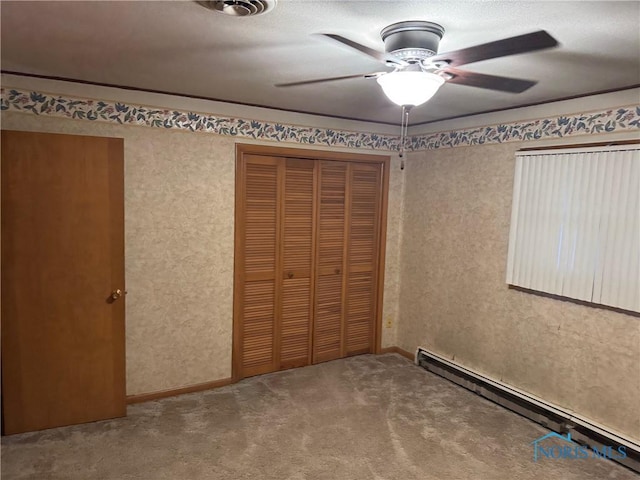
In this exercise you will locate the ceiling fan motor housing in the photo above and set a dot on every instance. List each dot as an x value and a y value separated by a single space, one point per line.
239 8
412 41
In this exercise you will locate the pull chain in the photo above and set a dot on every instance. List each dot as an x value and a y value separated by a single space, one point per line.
404 127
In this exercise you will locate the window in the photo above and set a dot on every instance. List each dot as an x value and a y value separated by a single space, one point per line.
575 224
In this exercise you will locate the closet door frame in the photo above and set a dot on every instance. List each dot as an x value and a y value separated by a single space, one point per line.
308 154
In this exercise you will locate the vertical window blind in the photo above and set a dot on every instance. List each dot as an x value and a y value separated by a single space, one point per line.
575 224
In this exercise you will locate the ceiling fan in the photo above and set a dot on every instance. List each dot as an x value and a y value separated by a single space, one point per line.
411 49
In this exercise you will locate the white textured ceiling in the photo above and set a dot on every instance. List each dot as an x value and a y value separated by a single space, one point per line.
183 48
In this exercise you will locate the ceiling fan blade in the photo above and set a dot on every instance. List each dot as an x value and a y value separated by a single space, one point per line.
331 79
491 82
319 80
529 42
380 56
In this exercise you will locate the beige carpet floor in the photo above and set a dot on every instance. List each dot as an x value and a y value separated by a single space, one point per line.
366 417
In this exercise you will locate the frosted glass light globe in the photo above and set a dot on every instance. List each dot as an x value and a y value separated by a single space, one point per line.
410 87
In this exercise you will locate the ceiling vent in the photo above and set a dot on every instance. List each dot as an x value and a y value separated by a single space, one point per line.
239 8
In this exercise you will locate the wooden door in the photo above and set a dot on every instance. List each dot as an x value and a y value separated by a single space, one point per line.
63 341
297 278
328 321
347 261
309 245
258 264
362 258
274 261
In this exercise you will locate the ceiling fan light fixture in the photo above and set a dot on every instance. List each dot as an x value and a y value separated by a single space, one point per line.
410 88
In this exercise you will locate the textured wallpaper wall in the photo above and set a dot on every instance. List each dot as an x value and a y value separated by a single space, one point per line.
447 234
179 236
454 299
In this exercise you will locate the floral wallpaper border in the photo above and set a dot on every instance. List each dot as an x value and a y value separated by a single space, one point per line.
106 111
596 122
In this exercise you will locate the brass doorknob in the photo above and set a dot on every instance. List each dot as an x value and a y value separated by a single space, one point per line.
116 294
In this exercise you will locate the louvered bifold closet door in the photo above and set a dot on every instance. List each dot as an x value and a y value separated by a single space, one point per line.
328 312
297 274
362 255
308 235
260 264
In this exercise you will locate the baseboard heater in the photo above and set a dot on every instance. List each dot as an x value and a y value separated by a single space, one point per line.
583 431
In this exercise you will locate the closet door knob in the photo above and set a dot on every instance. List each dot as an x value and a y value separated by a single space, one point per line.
290 274
337 271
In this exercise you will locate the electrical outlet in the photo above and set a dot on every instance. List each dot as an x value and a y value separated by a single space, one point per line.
389 322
